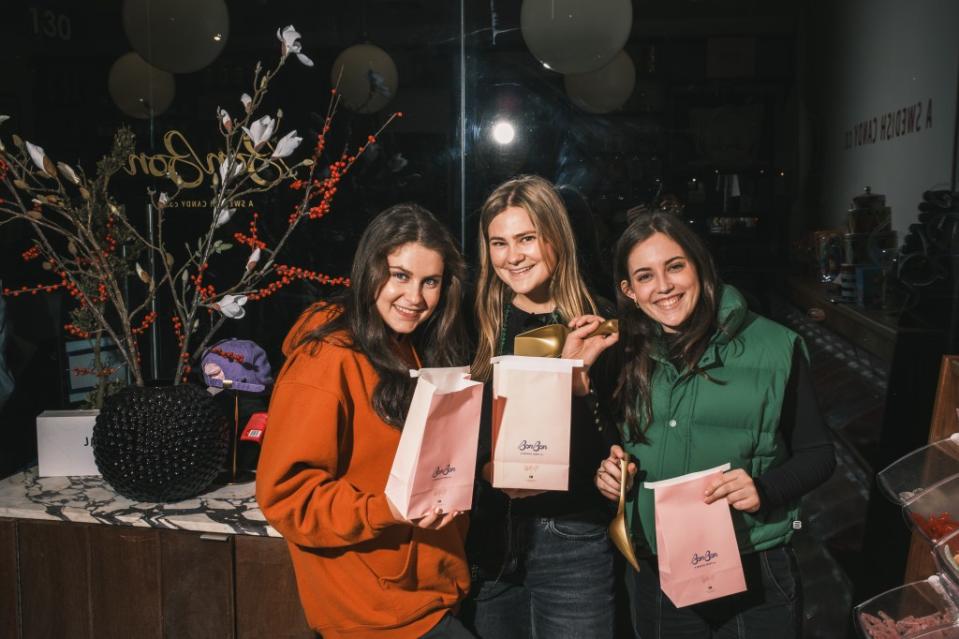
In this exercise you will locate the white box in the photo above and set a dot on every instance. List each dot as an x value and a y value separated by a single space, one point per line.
64 443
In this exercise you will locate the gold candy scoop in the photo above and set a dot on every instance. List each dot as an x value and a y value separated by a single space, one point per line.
617 528
547 341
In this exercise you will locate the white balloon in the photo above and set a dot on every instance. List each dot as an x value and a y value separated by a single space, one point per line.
575 36
138 89
605 89
369 79
179 36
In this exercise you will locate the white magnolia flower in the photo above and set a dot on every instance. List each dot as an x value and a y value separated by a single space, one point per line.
4 118
290 39
163 200
247 102
37 155
225 119
287 145
232 306
68 172
143 275
238 168
253 259
223 217
261 131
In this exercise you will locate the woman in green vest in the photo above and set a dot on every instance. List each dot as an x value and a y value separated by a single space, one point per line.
706 381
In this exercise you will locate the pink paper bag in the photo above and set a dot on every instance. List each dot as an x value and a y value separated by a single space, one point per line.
695 542
435 462
532 397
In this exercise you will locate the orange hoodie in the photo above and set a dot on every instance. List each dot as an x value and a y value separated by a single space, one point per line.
320 482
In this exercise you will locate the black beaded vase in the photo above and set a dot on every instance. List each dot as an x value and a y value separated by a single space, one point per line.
160 444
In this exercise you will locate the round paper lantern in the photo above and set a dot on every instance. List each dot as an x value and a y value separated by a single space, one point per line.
575 36
179 36
138 89
369 78
605 89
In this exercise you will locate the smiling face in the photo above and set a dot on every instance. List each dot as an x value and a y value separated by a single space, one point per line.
412 289
520 258
663 282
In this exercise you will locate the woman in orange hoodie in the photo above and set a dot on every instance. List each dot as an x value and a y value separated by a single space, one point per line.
335 417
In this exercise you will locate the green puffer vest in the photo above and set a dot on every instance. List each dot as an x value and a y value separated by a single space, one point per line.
699 423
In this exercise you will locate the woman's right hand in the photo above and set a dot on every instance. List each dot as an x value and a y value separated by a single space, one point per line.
434 520
582 344
609 476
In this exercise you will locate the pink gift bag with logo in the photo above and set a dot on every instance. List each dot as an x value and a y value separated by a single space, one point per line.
532 397
435 461
695 542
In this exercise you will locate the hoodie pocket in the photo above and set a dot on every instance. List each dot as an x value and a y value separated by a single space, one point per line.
390 559
426 574
405 576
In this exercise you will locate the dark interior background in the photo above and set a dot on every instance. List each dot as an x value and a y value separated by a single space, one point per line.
718 99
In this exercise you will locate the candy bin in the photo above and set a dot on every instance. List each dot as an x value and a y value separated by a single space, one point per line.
908 477
923 609
935 512
946 555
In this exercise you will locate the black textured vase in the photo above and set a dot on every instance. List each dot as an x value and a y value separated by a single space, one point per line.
160 444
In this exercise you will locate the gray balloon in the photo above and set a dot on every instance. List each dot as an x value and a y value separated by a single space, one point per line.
179 36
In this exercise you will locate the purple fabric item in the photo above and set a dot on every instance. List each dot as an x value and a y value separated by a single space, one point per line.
238 364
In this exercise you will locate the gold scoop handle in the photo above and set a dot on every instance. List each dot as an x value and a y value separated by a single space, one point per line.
623 480
608 327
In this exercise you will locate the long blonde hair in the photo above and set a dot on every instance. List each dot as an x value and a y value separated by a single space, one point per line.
546 211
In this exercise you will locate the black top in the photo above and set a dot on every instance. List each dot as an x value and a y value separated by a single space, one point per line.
812 458
591 434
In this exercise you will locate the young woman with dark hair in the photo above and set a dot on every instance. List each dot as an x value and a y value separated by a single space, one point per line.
335 418
705 381
542 562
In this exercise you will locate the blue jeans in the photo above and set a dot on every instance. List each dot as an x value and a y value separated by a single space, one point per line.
562 587
770 607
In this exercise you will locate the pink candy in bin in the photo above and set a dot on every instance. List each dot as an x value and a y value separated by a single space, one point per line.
922 609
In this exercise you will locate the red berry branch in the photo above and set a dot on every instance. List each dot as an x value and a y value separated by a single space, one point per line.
84 237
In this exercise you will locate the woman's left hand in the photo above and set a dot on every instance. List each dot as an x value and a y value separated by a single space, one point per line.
738 488
580 344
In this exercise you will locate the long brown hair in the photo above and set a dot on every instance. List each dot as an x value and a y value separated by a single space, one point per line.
637 331
439 341
539 199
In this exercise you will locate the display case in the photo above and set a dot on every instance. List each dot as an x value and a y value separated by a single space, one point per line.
943 424
934 513
946 556
924 608
908 477
925 483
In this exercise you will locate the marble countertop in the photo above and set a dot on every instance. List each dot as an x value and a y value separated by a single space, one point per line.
229 509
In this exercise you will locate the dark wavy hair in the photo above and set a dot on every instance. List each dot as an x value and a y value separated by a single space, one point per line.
439 341
638 330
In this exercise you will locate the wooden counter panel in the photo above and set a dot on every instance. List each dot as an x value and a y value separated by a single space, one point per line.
54 578
197 585
267 603
9 591
125 582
